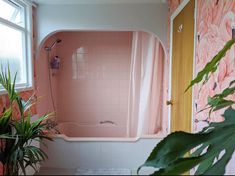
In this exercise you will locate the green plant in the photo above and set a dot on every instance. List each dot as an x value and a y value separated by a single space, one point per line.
209 150
17 133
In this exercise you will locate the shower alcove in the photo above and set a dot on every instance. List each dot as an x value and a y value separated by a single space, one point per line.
109 83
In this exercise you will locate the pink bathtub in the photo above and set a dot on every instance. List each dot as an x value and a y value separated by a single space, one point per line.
72 131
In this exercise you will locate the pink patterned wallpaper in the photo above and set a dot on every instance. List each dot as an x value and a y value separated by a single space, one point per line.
5 102
214 20
172 5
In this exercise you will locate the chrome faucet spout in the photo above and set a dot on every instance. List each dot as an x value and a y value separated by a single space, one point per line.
107 122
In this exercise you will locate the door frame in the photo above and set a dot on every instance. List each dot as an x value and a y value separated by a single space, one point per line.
173 16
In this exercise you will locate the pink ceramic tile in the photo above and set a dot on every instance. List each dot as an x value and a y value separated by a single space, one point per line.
93 82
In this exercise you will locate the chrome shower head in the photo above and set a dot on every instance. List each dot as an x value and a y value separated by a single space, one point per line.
58 40
47 48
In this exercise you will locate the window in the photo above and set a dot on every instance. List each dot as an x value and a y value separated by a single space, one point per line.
15 40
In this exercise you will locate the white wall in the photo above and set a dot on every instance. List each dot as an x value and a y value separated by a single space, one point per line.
150 17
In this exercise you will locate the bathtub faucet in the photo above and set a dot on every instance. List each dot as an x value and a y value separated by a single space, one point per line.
107 122
51 125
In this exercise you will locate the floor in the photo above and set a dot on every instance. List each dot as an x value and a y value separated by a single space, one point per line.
101 171
80 171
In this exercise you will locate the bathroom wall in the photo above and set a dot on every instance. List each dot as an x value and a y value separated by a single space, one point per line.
94 77
102 16
213 28
214 19
144 16
45 104
92 84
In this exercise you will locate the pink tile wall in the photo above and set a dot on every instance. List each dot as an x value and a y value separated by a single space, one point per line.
93 81
44 104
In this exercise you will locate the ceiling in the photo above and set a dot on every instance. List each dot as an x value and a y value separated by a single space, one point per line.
96 1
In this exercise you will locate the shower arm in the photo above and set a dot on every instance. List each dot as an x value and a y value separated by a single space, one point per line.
49 48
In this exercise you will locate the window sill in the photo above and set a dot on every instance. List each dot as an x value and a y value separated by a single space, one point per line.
18 89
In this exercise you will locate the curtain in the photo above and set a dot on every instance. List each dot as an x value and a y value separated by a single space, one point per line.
146 88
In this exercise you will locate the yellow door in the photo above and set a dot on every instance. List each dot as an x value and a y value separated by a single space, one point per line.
182 68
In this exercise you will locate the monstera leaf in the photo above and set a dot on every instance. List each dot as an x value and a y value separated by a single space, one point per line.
214 145
219 101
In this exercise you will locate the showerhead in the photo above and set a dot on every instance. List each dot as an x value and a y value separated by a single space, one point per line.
47 48
58 40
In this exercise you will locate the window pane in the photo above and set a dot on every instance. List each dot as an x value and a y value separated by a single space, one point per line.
11 12
12 52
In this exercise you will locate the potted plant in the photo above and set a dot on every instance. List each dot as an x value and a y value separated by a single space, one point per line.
17 132
209 150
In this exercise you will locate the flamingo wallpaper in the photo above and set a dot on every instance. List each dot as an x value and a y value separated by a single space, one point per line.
215 19
214 22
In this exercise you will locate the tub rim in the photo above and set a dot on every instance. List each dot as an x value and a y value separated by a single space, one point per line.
63 136
104 139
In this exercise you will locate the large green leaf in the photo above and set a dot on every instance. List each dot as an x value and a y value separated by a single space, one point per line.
212 65
167 151
8 84
5 121
219 101
29 103
169 155
18 153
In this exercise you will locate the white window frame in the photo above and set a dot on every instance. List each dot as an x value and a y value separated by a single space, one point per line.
27 53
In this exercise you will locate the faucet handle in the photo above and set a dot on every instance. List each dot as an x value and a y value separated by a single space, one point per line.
169 102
